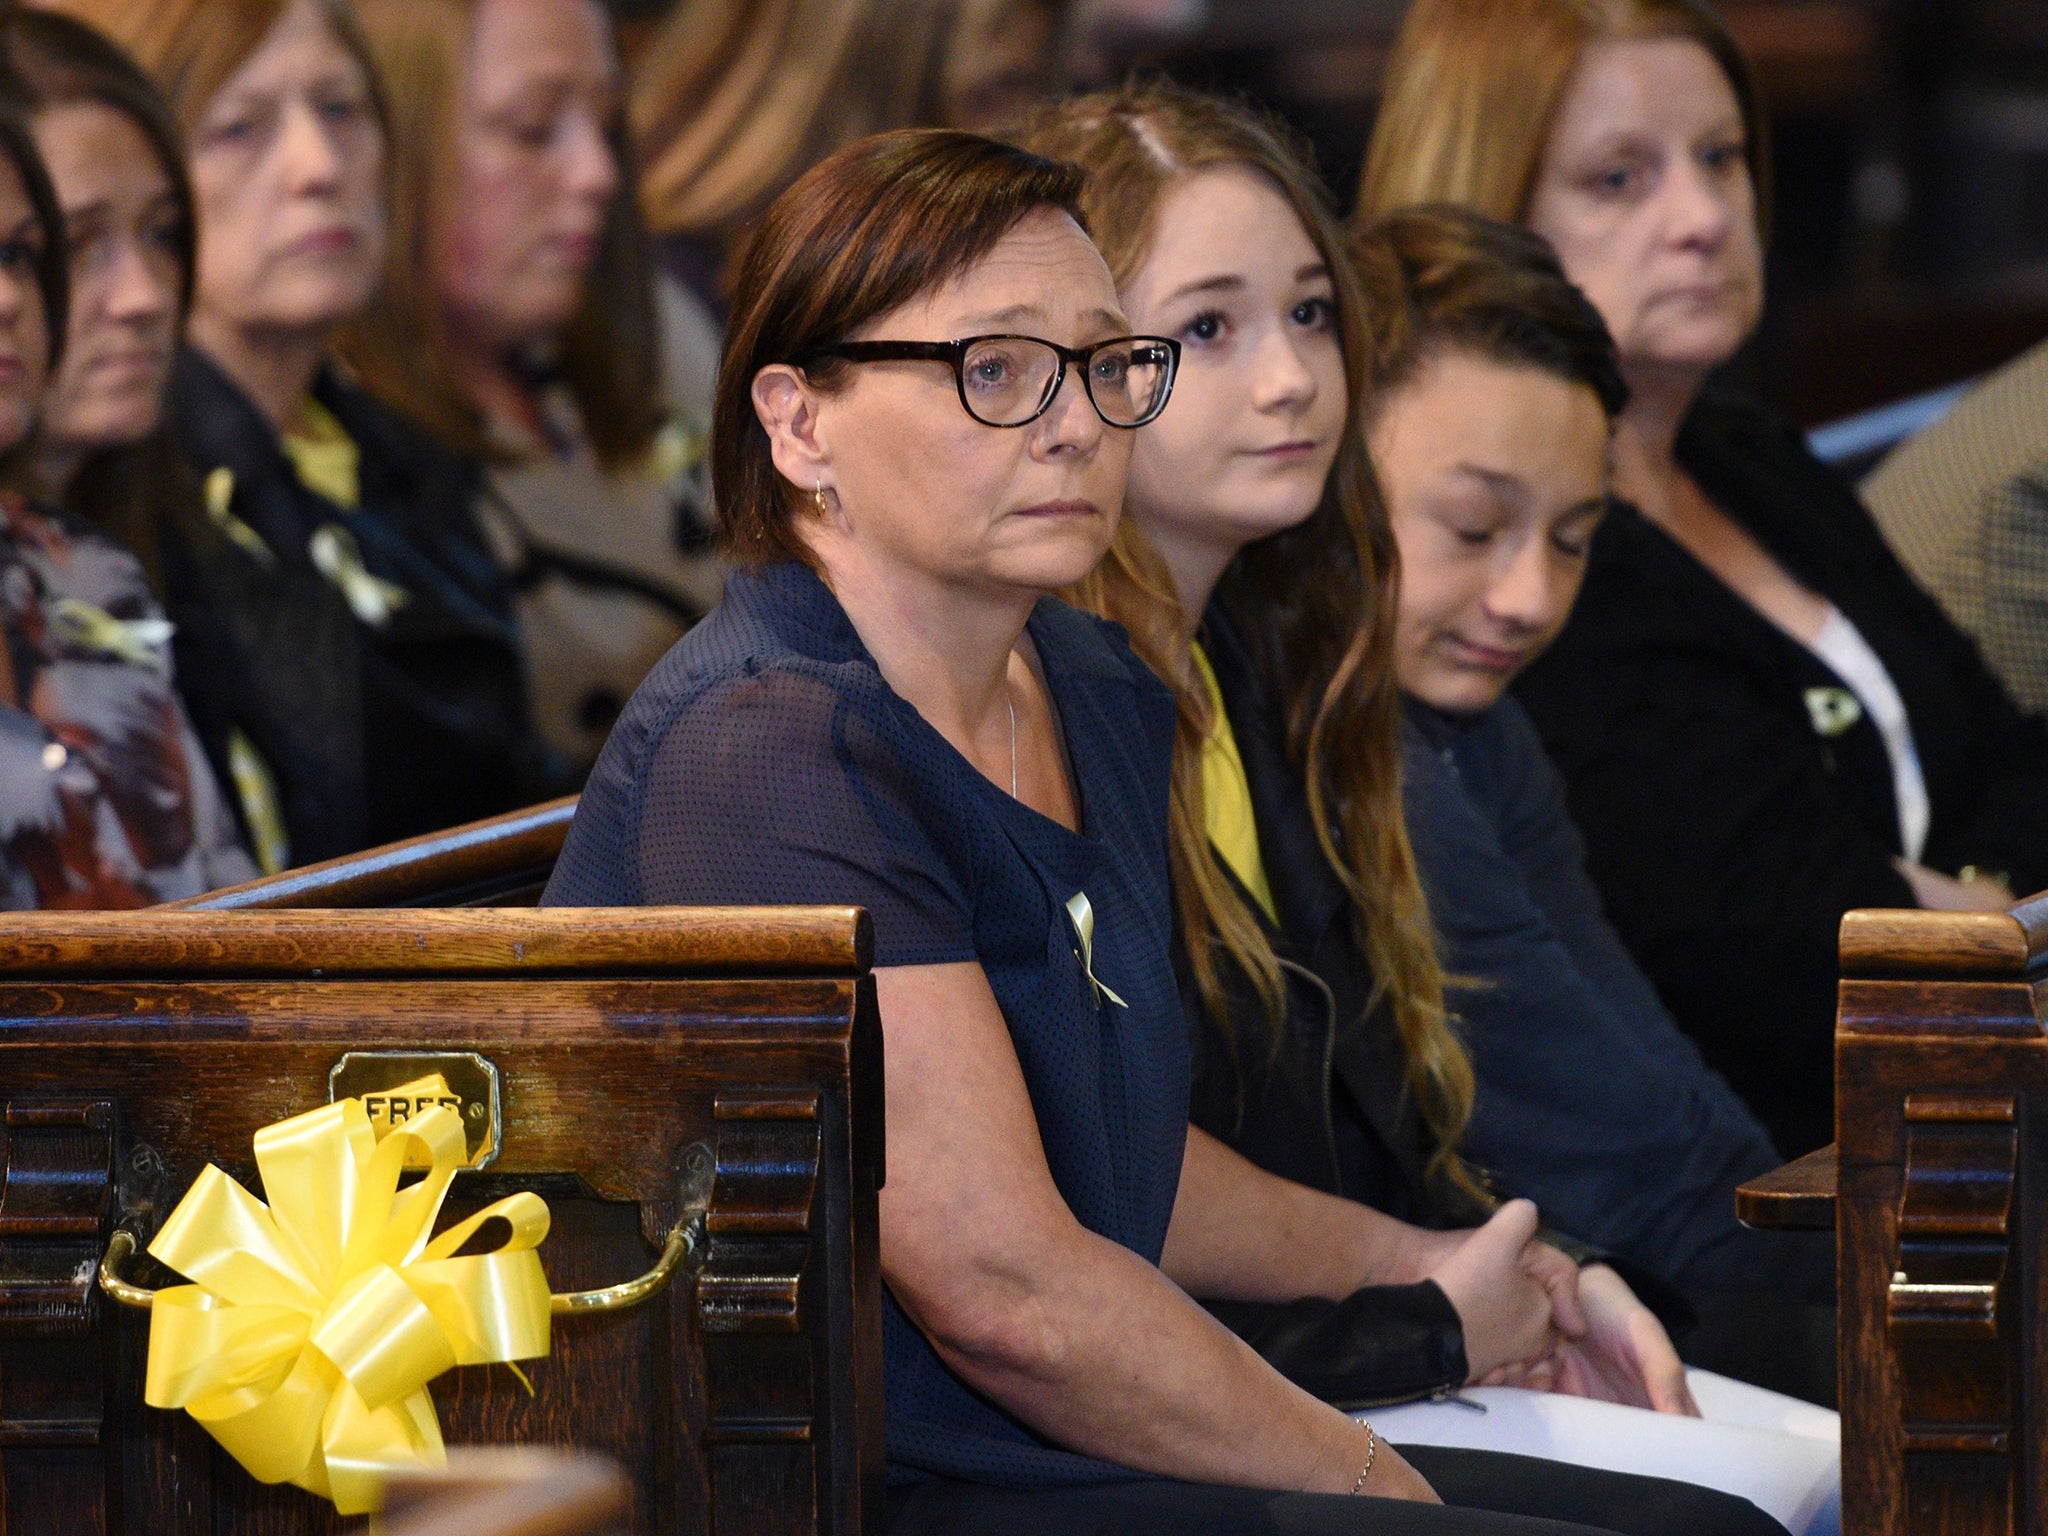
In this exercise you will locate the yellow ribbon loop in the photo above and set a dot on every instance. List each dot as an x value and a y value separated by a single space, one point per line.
220 501
338 557
313 1324
1833 710
80 625
1081 912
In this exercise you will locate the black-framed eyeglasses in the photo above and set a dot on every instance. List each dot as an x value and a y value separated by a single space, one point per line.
1011 381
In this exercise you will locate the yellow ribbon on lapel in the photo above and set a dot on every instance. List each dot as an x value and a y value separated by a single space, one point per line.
1833 710
1082 914
220 501
86 627
338 557
306 1342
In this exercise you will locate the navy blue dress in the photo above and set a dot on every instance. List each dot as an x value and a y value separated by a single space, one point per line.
766 761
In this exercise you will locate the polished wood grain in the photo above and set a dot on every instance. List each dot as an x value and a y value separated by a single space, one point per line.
504 861
136 1049
1941 1216
1799 1197
1936 944
645 941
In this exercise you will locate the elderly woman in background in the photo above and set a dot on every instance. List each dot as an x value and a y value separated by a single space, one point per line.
518 324
346 641
106 799
1762 721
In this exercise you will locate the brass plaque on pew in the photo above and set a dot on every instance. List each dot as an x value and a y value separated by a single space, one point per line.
390 1085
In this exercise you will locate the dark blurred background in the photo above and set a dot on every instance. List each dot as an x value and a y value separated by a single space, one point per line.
1910 247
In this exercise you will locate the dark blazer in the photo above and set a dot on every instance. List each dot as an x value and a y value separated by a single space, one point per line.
1323 1101
1727 833
1590 1100
372 734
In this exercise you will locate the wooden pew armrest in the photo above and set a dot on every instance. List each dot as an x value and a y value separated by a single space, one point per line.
1799 1197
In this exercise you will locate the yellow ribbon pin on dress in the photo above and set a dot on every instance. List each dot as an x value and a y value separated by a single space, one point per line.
314 1323
1833 710
220 501
338 557
1082 914
86 627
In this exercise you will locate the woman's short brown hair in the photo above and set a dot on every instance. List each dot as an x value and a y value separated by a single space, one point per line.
862 233
1442 278
1474 86
609 353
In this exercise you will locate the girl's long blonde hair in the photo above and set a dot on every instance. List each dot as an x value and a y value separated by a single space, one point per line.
1324 642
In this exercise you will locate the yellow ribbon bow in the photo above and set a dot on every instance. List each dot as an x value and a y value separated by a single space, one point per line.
314 1324
1081 912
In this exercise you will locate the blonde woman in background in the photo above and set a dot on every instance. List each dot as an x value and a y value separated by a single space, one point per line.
517 322
734 99
1761 720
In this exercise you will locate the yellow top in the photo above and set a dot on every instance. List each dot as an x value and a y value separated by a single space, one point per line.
324 455
1227 795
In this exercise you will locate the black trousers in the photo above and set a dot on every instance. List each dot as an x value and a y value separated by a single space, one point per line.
1485 1493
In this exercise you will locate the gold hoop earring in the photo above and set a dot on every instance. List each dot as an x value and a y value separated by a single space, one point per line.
818 496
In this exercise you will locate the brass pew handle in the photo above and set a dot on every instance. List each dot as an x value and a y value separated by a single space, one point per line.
119 1247
684 1249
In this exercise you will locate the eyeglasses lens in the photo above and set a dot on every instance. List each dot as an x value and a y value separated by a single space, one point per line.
1006 381
1128 381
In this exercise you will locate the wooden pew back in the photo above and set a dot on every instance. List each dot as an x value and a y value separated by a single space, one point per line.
1942 1213
639 1055
502 862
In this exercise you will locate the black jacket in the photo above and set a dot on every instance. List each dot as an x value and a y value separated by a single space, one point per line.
371 734
1323 1101
1727 834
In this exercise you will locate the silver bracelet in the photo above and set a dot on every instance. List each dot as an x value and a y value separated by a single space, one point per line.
1372 1450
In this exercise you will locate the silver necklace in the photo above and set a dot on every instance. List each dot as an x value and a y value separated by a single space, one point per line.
1013 740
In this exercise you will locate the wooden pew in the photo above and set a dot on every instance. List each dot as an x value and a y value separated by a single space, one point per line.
689 1082
1937 1189
502 862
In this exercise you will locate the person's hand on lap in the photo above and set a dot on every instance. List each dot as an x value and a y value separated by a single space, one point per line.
1508 1298
1624 1355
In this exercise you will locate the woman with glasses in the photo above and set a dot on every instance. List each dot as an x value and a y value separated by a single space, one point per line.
891 710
